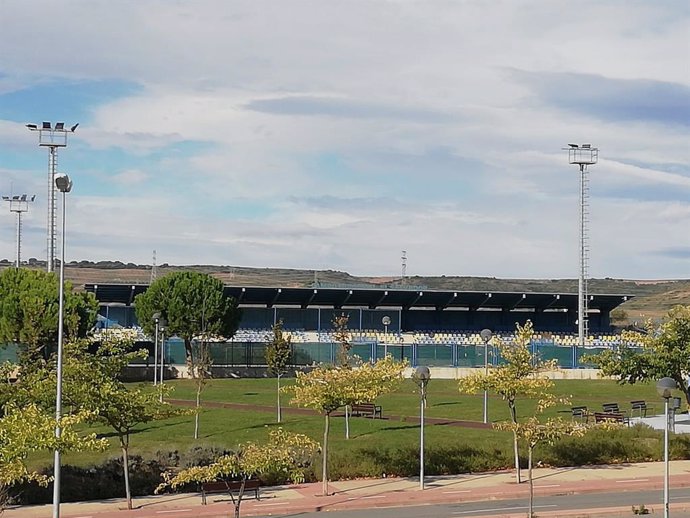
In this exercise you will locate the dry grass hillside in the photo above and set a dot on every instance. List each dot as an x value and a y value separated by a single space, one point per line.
652 298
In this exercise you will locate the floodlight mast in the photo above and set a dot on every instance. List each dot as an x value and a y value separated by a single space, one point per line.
52 137
583 155
19 204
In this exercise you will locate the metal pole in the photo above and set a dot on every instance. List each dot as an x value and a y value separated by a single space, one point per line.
19 238
155 357
52 169
486 373
58 401
421 438
385 337
162 361
666 470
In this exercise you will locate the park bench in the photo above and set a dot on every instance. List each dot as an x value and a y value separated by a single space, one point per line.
639 406
616 417
580 412
226 486
611 408
366 410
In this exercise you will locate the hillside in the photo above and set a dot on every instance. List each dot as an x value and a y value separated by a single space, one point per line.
652 298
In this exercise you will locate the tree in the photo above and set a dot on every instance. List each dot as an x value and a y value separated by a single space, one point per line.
278 351
29 313
28 429
519 376
194 305
533 432
664 350
91 383
328 388
286 453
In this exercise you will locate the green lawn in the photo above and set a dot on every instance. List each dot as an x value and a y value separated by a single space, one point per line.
226 428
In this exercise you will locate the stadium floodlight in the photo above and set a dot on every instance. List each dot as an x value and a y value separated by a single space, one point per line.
19 204
52 138
64 185
583 156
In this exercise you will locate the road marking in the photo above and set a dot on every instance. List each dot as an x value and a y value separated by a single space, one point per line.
458 491
502 509
631 481
173 511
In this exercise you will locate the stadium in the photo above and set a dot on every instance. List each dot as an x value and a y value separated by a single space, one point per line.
437 328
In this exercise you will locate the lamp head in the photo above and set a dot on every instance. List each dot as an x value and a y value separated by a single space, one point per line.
665 387
486 335
422 373
156 317
386 321
63 183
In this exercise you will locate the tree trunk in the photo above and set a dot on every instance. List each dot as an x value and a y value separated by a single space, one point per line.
239 498
279 413
125 470
531 483
347 421
513 416
198 409
324 464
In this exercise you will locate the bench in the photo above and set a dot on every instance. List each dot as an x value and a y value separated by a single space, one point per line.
226 486
580 412
611 408
616 417
366 410
639 406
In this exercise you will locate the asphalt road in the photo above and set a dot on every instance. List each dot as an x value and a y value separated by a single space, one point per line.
582 502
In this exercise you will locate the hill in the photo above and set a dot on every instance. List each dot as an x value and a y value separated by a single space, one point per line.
652 298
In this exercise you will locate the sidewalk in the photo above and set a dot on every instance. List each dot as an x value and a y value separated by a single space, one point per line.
397 492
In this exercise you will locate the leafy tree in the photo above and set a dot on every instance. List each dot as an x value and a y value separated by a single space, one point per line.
286 453
328 388
664 350
194 306
533 432
28 429
518 377
91 383
29 313
342 337
278 351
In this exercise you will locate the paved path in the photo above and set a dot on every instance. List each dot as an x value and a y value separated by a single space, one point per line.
397 492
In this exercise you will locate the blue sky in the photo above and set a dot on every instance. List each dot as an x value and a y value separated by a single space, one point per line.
312 134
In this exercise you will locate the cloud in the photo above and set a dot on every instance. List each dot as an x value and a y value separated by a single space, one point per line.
622 100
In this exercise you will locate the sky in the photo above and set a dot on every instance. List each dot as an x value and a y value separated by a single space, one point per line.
335 135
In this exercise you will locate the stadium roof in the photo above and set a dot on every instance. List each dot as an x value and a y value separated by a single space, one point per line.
378 298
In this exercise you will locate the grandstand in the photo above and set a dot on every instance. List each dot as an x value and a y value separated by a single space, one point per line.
434 327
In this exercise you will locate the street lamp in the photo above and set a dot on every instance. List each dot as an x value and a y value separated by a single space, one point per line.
422 376
156 319
386 321
486 335
162 325
664 388
52 137
19 204
64 185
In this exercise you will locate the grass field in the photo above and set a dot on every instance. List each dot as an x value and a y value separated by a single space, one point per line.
225 428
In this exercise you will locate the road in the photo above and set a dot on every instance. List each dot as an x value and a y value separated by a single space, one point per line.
551 504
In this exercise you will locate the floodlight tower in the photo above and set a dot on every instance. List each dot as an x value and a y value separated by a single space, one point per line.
19 204
583 155
52 137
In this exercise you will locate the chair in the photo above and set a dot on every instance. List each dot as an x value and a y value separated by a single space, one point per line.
580 412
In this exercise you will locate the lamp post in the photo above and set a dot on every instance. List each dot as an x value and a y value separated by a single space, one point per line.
64 185
52 137
19 204
486 335
162 324
386 321
156 318
422 376
582 155
664 388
